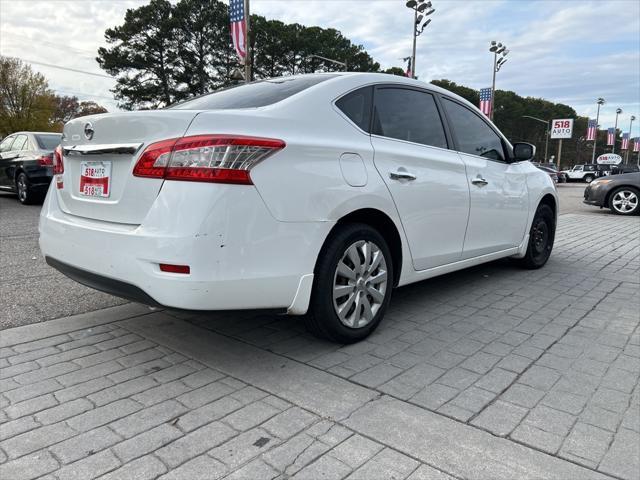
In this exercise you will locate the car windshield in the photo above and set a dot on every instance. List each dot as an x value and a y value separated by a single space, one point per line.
254 95
49 141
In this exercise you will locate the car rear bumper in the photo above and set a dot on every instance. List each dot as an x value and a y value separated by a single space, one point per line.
239 256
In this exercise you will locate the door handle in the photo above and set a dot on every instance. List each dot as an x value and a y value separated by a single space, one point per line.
481 182
402 175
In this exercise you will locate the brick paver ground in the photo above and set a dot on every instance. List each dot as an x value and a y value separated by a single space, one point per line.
490 373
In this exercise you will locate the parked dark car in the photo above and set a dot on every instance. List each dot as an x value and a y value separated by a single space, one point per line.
552 172
620 193
26 164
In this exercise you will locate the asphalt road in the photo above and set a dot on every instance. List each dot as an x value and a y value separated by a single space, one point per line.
32 292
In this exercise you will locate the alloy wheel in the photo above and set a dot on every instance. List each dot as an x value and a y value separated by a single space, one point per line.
22 188
625 201
360 283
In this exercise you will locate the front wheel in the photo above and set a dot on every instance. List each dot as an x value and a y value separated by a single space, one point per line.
624 201
541 238
352 285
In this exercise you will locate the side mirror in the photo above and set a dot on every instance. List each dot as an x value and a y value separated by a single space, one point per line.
523 152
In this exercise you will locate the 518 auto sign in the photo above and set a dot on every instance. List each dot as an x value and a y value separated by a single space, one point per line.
562 128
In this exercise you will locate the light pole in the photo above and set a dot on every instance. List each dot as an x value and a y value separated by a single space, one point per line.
421 10
546 141
331 60
600 102
615 130
626 154
501 50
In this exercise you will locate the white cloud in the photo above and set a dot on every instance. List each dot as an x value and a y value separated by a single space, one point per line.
570 52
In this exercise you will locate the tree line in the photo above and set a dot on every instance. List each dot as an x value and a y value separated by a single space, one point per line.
27 102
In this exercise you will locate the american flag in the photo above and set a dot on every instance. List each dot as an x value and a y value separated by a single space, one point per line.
591 130
409 72
238 27
485 101
610 136
625 141
636 144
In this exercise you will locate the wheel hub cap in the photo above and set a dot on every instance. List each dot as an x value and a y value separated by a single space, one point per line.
625 201
360 283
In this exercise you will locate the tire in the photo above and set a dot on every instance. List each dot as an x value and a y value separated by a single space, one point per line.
541 238
625 201
588 178
343 266
26 195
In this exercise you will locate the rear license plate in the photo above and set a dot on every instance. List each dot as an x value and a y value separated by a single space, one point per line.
95 179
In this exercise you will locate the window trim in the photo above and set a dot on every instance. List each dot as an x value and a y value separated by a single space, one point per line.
439 110
505 145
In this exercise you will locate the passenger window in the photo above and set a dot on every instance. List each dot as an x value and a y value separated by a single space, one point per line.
5 146
19 143
474 136
408 115
357 106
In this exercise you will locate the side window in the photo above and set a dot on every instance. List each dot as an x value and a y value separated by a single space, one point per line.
357 106
578 168
5 146
474 136
19 143
408 115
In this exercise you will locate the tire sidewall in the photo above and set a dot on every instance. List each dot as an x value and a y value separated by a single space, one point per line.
322 297
27 193
545 212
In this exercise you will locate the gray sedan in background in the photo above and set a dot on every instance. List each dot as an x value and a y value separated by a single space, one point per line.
620 193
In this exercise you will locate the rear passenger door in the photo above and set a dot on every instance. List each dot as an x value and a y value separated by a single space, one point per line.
427 180
498 190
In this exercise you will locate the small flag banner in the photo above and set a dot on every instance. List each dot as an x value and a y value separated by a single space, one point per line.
610 136
636 144
486 101
238 27
409 72
591 130
625 141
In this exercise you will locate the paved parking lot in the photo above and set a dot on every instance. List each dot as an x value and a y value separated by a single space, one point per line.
493 372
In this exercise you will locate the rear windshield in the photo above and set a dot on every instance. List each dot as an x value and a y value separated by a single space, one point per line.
254 95
48 142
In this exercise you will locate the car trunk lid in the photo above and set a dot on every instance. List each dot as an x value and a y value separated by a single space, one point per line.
100 153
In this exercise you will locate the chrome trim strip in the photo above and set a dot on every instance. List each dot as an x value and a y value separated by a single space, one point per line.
117 148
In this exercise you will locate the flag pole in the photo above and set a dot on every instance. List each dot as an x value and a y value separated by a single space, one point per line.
247 42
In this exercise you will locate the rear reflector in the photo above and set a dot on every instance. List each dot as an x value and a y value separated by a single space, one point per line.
206 158
165 267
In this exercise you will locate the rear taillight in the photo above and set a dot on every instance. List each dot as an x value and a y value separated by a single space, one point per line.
206 158
58 164
46 160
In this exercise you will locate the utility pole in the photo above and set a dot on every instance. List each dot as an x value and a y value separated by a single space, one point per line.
247 42
600 102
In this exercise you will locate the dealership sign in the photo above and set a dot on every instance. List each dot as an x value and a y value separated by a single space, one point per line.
562 128
609 159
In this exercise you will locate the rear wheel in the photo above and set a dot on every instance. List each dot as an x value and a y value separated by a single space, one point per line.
624 201
352 285
541 238
25 192
589 178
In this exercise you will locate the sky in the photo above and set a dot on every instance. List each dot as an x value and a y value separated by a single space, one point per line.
568 51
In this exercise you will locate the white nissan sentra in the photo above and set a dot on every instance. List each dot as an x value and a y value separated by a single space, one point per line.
311 194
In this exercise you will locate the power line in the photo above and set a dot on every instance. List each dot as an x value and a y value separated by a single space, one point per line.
75 70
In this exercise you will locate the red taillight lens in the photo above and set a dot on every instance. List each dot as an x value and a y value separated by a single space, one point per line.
206 158
184 269
58 163
46 160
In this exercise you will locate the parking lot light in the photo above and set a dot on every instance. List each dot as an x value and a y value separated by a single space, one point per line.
615 130
421 10
497 48
601 101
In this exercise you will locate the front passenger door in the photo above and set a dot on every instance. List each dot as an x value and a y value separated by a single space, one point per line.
498 189
5 161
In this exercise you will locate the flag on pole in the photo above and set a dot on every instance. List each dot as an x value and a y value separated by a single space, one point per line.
610 136
591 130
636 144
485 101
409 72
625 141
238 27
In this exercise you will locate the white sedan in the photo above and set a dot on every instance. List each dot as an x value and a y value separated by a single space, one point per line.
312 194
